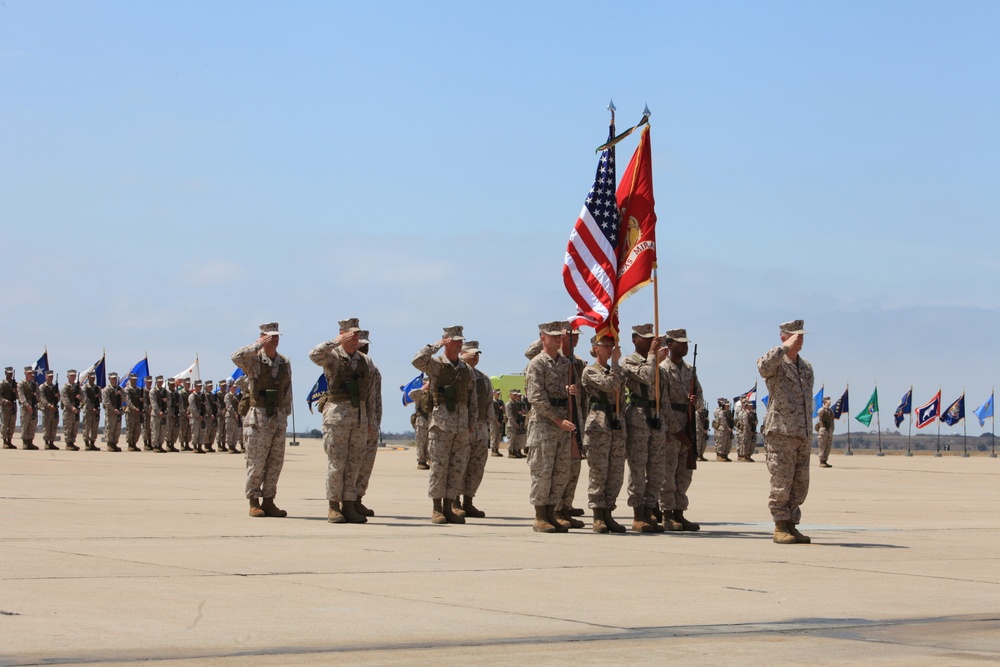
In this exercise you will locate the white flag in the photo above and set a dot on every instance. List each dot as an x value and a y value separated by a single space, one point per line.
192 372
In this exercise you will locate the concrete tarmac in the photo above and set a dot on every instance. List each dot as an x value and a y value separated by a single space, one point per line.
120 558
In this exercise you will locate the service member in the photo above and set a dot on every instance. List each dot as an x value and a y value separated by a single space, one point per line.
787 430
114 407
8 408
269 394
604 435
482 418
91 413
71 398
517 424
682 401
722 423
48 403
824 430
645 435
134 412
27 396
371 447
746 431
423 404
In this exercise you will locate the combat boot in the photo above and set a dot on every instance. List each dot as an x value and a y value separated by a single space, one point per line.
334 515
598 525
234 450
90 447
563 516
29 445
799 537
209 449
448 509
456 507
147 447
51 446
113 448
270 509
781 534
471 510
575 511
351 514
7 444
437 516
690 526
559 524
185 447
651 520
171 448
72 448
639 522
255 510
362 510
495 452
159 449
198 449
541 524
609 521
133 448
421 465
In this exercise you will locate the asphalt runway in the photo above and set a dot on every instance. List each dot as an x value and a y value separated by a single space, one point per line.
151 558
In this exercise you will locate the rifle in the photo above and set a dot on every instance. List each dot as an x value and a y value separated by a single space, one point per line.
576 451
690 428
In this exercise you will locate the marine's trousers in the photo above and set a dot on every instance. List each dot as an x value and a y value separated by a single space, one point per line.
548 461
265 445
788 463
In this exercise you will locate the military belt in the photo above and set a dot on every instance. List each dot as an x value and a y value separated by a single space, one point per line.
558 402
679 407
641 402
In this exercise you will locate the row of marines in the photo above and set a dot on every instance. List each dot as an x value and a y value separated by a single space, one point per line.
160 413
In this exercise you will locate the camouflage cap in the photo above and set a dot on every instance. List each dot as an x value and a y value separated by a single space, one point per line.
112 375
723 401
50 374
208 383
643 330
197 383
222 382
555 328
363 337
29 369
471 346
133 376
159 377
350 325
172 381
678 335
453 333
793 327
9 369
269 329
71 371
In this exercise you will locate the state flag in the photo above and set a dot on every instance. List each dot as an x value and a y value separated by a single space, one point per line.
317 391
984 411
415 383
928 412
955 412
865 416
841 406
905 407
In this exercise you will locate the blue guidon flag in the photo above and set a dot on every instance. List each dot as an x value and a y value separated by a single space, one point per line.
928 412
955 412
905 407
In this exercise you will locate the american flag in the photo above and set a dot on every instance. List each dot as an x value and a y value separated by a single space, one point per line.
591 265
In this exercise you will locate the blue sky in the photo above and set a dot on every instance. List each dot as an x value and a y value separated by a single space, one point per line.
174 174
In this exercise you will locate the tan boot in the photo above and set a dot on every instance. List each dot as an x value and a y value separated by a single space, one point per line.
362 510
471 510
560 524
270 509
456 507
799 537
639 523
437 516
609 521
335 515
255 510
541 524
564 517
448 509
599 526
689 526
651 520
351 514
781 534
670 522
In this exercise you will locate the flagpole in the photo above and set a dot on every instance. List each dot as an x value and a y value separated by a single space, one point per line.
656 329
993 438
965 429
909 424
938 452
878 422
848 452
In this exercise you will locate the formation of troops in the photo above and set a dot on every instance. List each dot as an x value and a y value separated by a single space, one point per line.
165 416
646 409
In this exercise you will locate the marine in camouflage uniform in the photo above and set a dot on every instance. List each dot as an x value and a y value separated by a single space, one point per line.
211 416
746 432
158 406
604 434
184 414
677 476
371 448
497 424
723 423
147 420
172 426
645 435
197 416
702 432
549 427
348 418
8 408
133 413
787 430
48 405
92 399
517 424
454 396
479 441
27 397
580 403
824 430
71 398
220 416
114 406
423 404
269 402
233 426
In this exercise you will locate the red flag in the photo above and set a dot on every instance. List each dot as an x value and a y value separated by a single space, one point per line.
637 241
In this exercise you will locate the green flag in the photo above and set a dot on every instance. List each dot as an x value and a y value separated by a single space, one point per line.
865 416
